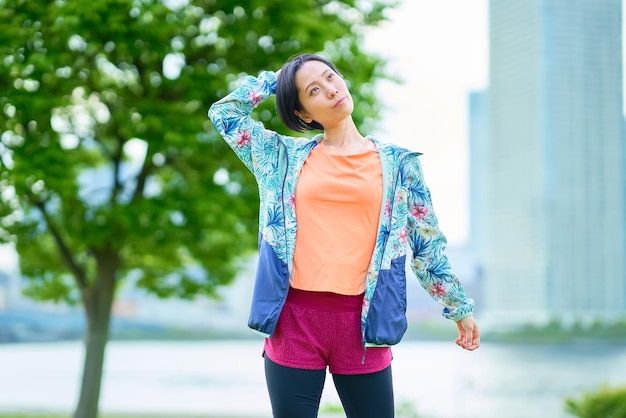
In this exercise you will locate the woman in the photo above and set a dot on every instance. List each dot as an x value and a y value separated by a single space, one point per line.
336 214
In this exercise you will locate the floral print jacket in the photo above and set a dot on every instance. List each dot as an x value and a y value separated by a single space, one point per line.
406 216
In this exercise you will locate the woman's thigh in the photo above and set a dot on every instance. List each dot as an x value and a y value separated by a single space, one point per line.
366 395
294 392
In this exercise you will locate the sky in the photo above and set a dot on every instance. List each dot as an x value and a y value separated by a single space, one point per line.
440 49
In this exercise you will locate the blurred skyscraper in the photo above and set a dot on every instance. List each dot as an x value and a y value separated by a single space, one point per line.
551 166
478 155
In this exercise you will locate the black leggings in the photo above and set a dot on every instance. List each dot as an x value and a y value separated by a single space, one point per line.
296 393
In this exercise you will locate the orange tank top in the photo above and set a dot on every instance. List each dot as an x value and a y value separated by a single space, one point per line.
338 200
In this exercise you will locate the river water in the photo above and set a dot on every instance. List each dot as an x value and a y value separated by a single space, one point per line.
225 378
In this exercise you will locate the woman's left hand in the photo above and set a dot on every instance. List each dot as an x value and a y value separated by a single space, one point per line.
469 333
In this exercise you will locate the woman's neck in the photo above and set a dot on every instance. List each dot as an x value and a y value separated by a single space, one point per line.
343 136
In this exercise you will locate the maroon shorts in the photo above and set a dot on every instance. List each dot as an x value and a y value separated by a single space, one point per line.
320 329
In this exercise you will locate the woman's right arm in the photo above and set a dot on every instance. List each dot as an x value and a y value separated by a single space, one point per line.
232 118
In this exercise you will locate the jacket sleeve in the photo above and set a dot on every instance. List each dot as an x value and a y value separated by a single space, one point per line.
428 244
255 146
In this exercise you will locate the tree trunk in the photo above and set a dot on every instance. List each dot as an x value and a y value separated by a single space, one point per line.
97 301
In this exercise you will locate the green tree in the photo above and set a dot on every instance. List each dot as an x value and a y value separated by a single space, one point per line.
109 165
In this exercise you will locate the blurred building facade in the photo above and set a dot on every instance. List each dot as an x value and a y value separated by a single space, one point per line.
478 152
551 164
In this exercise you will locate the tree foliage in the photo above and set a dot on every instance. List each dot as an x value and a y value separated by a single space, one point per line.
109 167
605 402
105 144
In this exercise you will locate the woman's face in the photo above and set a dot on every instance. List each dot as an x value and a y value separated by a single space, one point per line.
323 95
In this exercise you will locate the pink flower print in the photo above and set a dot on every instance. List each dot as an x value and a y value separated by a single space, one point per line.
403 235
419 212
398 197
292 201
387 208
438 289
256 98
244 138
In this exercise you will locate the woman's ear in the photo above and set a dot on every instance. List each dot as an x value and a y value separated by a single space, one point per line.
303 116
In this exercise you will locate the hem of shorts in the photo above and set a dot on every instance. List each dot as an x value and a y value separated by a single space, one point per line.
343 372
360 371
293 366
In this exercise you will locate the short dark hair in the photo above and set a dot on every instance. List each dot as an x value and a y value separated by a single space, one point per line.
287 93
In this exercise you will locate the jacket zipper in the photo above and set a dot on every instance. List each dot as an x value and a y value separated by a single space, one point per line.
290 258
395 184
393 201
285 222
283 201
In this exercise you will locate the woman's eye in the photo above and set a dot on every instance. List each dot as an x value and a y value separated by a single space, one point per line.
331 75
314 90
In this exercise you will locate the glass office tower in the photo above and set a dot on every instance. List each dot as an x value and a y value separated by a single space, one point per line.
555 214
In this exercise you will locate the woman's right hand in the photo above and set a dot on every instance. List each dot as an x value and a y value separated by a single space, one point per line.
469 333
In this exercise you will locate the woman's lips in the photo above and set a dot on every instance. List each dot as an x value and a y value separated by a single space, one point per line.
340 102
